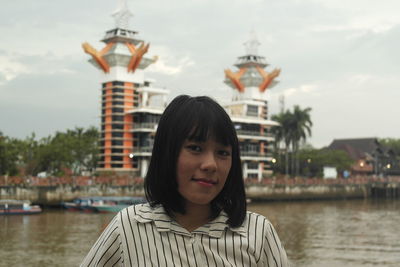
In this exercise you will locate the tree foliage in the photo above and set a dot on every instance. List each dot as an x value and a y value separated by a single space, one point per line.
294 129
8 155
392 143
74 151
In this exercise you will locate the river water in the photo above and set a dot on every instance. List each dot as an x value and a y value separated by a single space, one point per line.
314 233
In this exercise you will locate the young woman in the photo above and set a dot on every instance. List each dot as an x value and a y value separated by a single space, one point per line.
196 211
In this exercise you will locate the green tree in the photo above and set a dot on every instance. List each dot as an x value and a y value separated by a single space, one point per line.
282 137
8 155
75 150
293 130
300 128
313 160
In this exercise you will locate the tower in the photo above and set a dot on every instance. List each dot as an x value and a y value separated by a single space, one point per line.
130 106
249 109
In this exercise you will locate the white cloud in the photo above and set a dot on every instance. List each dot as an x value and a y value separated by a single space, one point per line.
168 63
14 65
302 89
11 68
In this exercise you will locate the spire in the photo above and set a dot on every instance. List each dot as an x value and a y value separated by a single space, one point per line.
122 15
252 44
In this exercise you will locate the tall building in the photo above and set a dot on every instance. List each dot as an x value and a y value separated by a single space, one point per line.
130 105
249 110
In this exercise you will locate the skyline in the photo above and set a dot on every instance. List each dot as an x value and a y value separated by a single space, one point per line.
340 60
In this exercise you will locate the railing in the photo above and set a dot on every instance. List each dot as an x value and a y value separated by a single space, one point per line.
254 154
320 181
145 125
254 133
111 179
145 149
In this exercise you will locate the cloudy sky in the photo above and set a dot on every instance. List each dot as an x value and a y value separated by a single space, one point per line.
341 58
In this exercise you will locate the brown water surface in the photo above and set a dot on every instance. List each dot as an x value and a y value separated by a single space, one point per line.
323 233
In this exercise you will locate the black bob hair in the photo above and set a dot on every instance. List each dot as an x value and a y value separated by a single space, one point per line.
194 118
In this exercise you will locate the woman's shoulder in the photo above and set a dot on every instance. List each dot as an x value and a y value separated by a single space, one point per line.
254 217
141 212
258 223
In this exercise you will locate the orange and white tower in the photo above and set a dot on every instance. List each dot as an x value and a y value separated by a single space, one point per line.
128 113
249 110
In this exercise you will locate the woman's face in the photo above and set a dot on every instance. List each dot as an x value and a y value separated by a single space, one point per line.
202 170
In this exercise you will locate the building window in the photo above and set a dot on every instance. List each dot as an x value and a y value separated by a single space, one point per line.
252 165
117 110
116 165
117 126
252 110
118 118
117 103
252 175
117 90
118 83
116 142
135 163
117 134
117 97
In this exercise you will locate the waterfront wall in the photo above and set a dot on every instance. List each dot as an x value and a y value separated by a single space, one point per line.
54 192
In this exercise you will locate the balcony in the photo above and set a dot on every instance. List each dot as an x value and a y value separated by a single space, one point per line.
144 127
255 155
254 133
142 151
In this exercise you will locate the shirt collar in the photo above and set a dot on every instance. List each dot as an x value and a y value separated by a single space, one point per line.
164 223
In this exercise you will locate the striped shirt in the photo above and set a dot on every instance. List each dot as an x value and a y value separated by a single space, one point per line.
144 236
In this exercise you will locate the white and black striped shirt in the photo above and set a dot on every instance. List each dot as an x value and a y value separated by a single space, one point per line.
144 236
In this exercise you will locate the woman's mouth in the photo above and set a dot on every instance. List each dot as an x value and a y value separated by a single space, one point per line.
204 182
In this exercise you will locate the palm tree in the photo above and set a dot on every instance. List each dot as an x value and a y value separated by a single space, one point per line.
300 128
281 133
294 128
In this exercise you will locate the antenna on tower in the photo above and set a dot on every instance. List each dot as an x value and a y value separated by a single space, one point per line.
252 44
282 102
122 15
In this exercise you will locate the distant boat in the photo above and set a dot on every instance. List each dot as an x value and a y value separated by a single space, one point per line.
102 204
79 204
14 207
117 204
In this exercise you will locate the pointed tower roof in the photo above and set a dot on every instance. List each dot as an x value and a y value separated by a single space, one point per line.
251 58
121 32
122 15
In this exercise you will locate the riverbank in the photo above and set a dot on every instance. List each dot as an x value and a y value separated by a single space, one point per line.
53 192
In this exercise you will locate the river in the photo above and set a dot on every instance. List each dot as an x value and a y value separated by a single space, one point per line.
314 233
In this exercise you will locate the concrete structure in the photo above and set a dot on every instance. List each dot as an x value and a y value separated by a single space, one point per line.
249 110
131 107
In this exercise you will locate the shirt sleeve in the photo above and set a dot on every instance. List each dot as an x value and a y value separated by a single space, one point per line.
107 251
273 252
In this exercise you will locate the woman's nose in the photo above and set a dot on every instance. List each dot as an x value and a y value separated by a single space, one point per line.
209 163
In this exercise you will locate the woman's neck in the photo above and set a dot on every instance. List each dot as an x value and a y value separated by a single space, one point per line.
195 216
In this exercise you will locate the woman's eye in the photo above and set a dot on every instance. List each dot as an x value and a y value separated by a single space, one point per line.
224 153
194 148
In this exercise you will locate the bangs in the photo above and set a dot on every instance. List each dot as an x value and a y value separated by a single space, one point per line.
210 122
